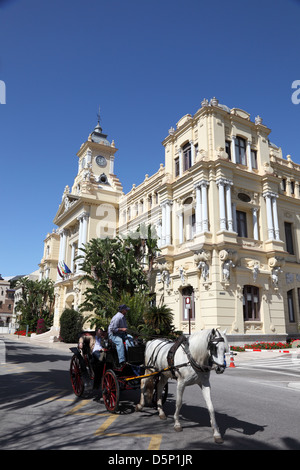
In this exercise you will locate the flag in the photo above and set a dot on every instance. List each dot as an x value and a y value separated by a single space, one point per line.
59 272
61 266
67 269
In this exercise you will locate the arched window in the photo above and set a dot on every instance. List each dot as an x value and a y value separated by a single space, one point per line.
251 303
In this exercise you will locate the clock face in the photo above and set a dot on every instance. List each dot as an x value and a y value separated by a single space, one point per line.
101 161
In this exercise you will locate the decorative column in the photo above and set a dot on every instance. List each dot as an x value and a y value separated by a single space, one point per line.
168 222
221 184
180 161
85 218
204 185
82 237
111 164
255 223
89 158
234 217
275 216
229 206
198 208
192 152
233 154
180 227
163 224
267 197
249 155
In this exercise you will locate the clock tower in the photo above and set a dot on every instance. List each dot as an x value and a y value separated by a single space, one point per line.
96 163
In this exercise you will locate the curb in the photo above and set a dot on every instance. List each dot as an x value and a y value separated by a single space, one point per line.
269 350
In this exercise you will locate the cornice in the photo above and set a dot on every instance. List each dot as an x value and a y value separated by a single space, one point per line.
96 146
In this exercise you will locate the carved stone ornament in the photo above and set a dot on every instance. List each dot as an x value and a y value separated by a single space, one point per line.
276 261
228 259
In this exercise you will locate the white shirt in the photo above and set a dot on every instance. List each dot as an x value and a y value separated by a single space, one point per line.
97 345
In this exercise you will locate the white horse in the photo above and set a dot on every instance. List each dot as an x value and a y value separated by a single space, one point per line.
200 353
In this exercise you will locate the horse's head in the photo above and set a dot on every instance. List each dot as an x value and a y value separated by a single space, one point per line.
218 346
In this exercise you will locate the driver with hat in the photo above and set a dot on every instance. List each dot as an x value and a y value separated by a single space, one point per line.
117 333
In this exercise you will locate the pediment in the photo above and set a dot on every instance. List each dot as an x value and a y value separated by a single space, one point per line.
68 201
241 113
183 120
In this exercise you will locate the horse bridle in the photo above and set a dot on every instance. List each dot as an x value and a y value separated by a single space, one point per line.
212 347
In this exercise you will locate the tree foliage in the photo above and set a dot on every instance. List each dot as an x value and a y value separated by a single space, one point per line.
118 271
71 323
37 301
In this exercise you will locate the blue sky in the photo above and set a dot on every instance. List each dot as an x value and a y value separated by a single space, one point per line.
146 64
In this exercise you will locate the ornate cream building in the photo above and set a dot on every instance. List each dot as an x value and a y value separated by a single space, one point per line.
226 208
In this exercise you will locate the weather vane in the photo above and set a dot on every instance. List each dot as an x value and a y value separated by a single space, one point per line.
98 116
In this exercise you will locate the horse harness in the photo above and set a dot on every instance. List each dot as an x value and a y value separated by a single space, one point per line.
183 342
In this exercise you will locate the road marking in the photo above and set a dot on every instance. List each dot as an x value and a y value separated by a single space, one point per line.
105 425
269 370
75 410
155 439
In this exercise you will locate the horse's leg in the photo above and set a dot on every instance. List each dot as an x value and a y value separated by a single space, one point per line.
160 386
141 404
179 394
146 389
207 397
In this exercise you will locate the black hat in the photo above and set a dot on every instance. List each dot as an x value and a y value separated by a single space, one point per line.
123 307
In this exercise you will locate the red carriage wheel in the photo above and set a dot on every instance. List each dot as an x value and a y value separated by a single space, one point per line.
111 391
76 376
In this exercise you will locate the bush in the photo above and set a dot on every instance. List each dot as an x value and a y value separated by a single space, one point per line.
71 323
265 345
237 348
41 327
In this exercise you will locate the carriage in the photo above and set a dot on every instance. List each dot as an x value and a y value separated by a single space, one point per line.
89 375
189 360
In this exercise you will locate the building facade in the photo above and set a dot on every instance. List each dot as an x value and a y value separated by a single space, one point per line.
7 299
225 205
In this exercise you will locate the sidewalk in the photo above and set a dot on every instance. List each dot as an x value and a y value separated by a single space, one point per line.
246 356
36 342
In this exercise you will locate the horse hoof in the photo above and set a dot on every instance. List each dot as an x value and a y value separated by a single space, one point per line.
163 417
218 440
178 428
138 408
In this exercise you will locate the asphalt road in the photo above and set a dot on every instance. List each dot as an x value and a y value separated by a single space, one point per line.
256 405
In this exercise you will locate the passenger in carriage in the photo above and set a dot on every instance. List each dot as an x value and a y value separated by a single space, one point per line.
96 343
117 333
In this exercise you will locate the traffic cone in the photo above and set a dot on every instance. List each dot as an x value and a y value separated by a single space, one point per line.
231 360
